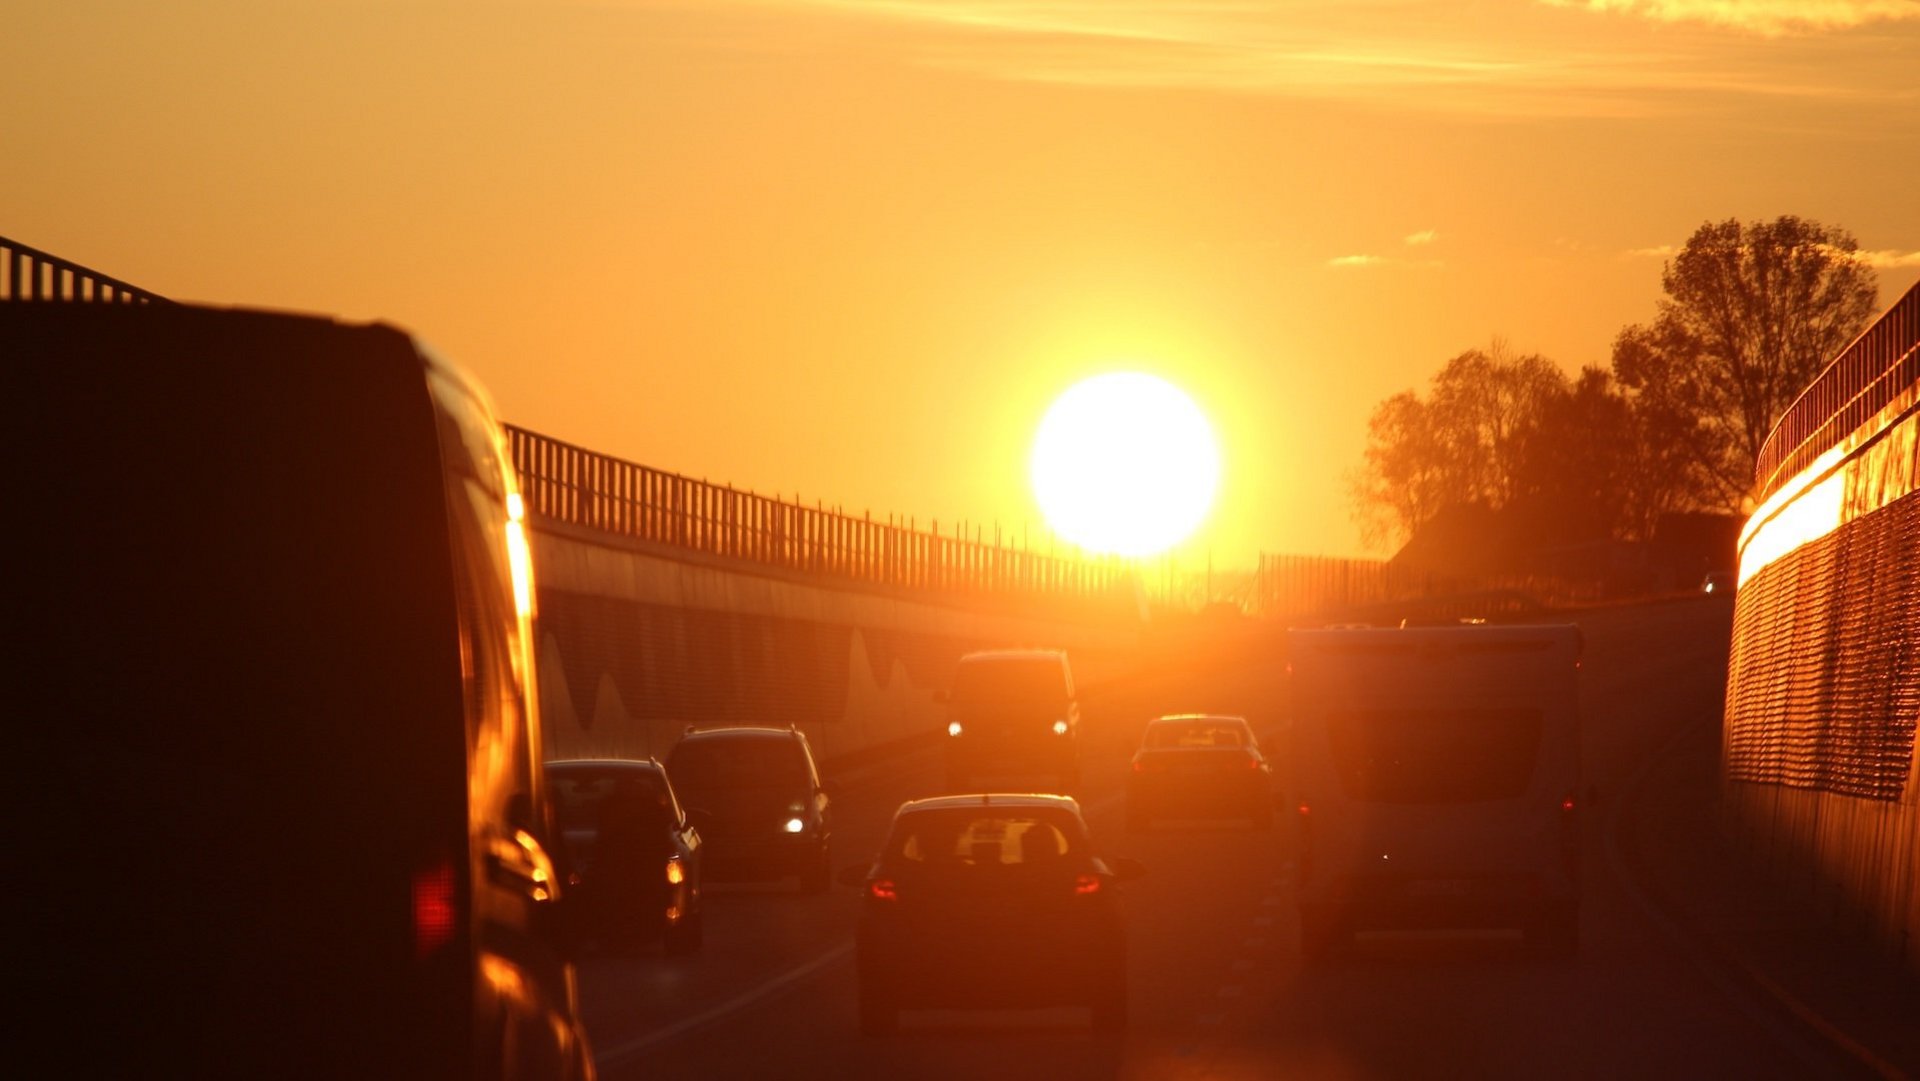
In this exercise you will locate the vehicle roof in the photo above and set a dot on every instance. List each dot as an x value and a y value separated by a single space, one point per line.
990 799
583 765
1508 631
1181 718
744 732
1012 655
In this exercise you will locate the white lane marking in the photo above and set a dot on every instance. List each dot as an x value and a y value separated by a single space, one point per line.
626 1049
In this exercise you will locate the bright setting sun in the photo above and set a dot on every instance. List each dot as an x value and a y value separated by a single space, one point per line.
1125 463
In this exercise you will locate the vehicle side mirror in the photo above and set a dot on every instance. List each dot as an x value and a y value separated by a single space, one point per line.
1125 869
855 875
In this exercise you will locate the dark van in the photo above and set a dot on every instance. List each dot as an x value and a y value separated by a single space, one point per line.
273 711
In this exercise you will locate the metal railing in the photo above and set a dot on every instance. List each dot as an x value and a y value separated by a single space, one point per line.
1862 380
565 483
28 273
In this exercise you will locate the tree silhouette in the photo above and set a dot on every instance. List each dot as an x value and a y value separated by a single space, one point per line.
1752 313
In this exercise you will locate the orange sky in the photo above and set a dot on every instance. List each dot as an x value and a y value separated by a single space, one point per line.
853 249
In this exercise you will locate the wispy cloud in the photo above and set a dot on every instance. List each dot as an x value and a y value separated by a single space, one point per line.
1884 259
1771 18
1424 236
1362 262
1889 260
1496 58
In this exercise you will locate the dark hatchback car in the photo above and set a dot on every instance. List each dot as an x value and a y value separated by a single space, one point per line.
1012 717
991 901
1198 765
630 852
756 796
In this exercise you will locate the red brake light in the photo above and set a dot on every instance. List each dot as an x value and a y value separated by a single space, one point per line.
1139 766
1304 810
1566 804
883 889
1086 884
433 908
1253 762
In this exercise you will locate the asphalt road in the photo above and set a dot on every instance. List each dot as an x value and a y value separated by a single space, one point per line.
1218 988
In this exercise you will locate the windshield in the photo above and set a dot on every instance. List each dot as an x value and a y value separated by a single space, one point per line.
1014 681
986 838
1435 755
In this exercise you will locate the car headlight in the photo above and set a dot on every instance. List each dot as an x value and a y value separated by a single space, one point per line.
1060 727
953 728
796 825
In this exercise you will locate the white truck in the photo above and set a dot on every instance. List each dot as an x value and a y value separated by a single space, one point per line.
1437 772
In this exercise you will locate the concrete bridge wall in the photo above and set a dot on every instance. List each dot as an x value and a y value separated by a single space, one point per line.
637 641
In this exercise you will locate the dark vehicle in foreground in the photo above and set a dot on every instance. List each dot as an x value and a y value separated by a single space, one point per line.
632 858
756 796
270 633
990 901
1012 716
1199 765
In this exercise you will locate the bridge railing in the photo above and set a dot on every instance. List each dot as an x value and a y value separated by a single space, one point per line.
566 483
28 273
1867 375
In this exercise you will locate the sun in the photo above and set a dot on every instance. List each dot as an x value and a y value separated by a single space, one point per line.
1125 463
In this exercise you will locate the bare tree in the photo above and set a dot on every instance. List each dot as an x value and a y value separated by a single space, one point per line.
1752 314
1463 446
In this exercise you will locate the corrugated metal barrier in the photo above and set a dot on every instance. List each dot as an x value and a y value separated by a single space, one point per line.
1823 690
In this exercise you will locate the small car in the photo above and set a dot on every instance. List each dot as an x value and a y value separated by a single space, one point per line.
990 901
1199 765
630 851
756 795
1011 715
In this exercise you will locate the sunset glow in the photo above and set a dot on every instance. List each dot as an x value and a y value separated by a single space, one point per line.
1126 464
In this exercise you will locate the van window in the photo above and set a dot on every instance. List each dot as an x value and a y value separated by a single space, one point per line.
1454 755
1036 680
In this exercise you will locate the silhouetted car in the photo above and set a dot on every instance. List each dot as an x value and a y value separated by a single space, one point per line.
756 796
1012 715
1198 765
274 662
990 901
630 851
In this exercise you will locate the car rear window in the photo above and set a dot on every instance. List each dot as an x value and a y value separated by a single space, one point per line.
579 798
995 838
719 765
1036 680
1195 734
1435 755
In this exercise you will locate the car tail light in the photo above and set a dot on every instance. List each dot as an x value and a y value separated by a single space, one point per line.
1566 803
676 874
883 889
434 911
1086 884
1253 762
1305 809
